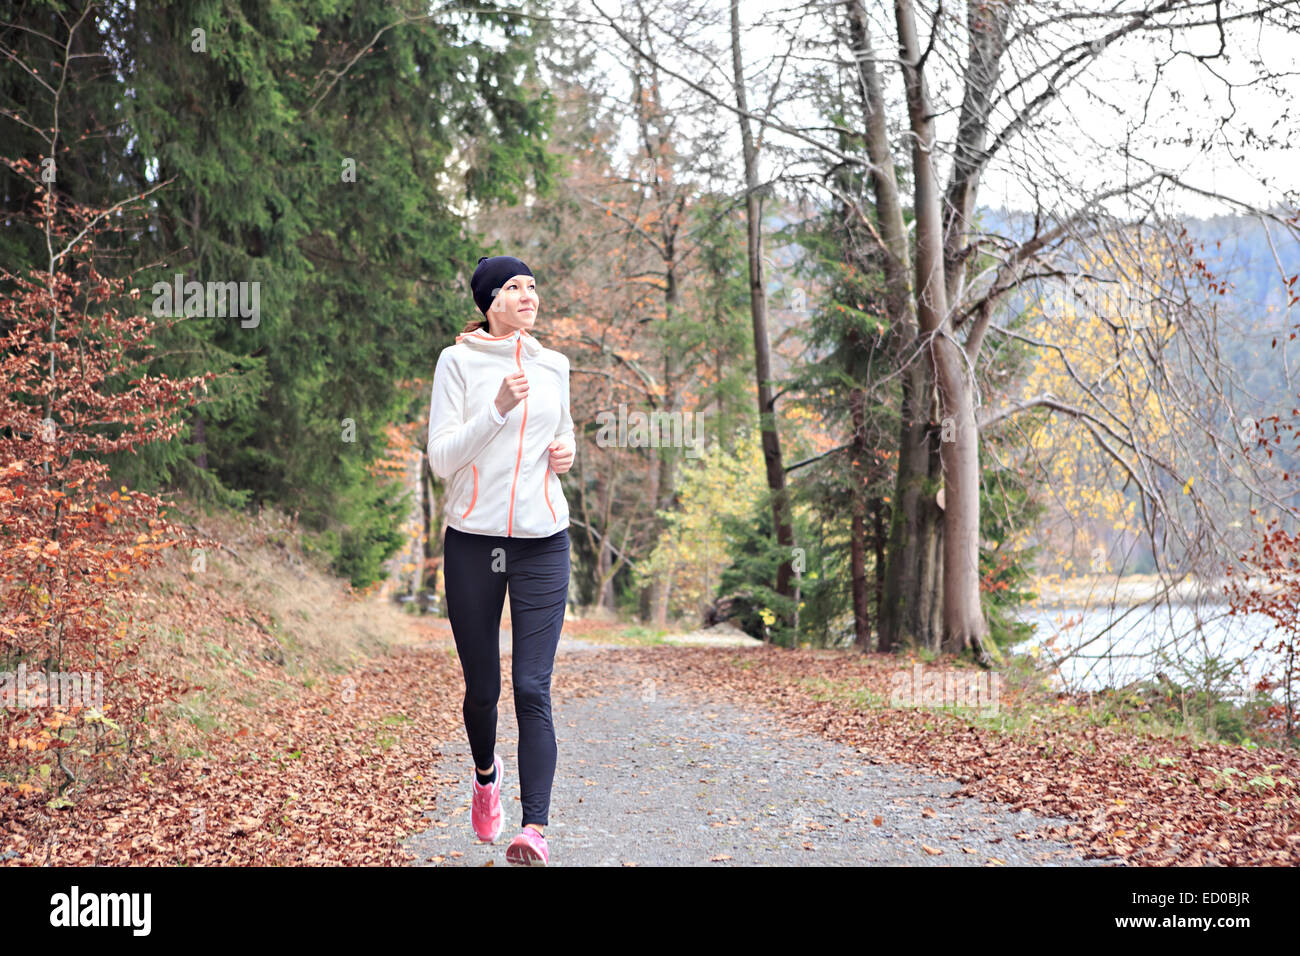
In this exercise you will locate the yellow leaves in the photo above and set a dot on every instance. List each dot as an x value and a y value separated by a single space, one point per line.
694 548
1188 487
93 716
1086 485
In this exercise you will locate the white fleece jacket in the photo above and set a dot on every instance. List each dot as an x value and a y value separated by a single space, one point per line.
501 481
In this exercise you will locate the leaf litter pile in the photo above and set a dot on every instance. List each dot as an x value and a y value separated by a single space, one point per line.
338 775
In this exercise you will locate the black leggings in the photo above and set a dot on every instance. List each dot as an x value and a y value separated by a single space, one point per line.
476 569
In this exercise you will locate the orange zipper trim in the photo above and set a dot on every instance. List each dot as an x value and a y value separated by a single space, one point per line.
519 454
473 497
546 490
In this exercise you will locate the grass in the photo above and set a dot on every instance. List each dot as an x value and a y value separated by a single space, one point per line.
241 651
843 692
1028 705
639 636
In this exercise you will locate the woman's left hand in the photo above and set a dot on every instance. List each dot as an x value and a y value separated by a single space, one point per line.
561 457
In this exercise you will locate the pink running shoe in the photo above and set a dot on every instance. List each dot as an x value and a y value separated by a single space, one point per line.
528 849
485 812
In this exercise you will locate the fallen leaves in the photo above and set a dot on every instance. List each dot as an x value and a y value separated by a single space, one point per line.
1155 801
344 799
309 784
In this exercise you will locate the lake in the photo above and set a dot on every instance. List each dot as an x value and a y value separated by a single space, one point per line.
1113 646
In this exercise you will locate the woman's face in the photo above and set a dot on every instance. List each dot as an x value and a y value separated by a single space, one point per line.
515 306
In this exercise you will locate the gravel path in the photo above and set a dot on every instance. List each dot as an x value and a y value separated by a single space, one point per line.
648 777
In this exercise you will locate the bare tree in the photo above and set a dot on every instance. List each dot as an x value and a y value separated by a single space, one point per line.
1033 93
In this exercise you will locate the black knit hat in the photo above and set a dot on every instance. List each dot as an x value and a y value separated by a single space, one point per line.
492 273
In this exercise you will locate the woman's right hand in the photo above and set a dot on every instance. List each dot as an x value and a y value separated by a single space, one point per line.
514 389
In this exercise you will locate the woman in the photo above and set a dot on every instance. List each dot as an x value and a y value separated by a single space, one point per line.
500 433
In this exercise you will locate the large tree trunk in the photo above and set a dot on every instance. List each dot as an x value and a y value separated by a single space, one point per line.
931 610
902 613
772 459
964 627
911 574
963 618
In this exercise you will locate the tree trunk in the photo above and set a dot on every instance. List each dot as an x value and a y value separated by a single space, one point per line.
910 593
667 460
878 543
605 560
964 627
646 599
772 459
858 530
963 618
902 610
930 612
200 441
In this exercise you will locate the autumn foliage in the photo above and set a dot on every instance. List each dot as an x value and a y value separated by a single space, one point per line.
71 342
1270 587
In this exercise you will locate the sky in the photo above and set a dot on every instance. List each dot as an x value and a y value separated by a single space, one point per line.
1111 111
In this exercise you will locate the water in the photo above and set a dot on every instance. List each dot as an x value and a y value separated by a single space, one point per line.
1109 647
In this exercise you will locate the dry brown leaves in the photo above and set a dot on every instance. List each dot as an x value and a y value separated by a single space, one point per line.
338 774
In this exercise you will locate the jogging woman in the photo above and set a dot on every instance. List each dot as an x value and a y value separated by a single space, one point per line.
500 434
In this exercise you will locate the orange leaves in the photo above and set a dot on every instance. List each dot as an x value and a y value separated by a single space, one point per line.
68 537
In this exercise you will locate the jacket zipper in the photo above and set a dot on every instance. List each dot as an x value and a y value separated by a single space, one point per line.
546 491
519 454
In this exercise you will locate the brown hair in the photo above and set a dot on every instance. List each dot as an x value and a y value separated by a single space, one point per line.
476 324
